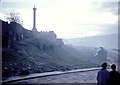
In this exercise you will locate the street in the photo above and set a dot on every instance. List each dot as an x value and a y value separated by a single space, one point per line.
79 77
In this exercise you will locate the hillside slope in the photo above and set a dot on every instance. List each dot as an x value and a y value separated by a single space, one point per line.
107 41
36 52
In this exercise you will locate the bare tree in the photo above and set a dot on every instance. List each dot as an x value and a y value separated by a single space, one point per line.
13 16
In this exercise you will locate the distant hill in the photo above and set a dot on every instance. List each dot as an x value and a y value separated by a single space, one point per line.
107 41
89 46
36 52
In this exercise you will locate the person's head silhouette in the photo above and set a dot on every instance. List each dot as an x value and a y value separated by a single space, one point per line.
101 47
113 67
104 65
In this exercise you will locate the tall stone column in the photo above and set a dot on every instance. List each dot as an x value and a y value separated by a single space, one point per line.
34 19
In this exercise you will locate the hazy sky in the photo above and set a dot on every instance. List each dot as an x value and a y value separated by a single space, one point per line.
67 18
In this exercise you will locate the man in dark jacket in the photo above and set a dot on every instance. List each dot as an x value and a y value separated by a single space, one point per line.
114 76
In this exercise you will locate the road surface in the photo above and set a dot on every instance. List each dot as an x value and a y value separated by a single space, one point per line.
79 77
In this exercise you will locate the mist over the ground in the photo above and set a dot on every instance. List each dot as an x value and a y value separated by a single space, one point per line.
107 41
89 46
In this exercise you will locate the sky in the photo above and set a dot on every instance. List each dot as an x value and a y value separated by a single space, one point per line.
67 18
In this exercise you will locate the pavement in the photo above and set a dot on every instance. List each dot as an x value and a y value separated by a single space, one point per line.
73 76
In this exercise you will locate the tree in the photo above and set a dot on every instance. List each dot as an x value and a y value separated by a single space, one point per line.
13 16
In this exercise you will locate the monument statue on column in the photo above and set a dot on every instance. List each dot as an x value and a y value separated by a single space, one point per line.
34 19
